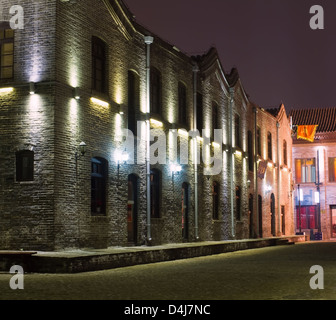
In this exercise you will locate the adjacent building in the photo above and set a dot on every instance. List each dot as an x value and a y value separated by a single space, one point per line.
110 136
314 166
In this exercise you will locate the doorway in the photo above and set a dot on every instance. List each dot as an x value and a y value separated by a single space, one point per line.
273 214
132 209
333 220
260 218
251 233
185 211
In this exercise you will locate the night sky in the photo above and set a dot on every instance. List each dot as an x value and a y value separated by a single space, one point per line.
280 59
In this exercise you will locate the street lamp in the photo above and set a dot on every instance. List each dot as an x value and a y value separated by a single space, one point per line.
81 150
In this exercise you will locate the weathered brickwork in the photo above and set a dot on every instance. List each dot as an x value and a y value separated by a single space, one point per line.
54 210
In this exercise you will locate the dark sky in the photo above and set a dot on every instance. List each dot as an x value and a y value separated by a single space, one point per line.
278 56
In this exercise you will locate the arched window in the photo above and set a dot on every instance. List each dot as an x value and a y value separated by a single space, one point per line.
155 91
25 165
98 186
250 150
285 153
155 189
269 146
238 203
182 103
237 131
133 100
99 65
215 201
215 122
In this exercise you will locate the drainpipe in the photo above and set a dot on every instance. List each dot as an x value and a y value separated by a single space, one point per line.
148 41
256 193
231 162
195 71
278 167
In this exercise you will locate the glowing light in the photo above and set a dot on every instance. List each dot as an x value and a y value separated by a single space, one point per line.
156 123
183 132
270 164
6 90
200 139
238 153
100 102
215 144
121 156
317 197
175 168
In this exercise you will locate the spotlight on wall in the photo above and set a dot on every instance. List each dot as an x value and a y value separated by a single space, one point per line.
81 150
32 88
121 157
175 169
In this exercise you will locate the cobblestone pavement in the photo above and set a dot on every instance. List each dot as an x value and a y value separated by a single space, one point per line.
269 273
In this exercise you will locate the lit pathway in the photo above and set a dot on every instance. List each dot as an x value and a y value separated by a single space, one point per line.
269 273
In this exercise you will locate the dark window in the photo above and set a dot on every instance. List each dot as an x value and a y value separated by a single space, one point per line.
285 153
214 119
238 203
269 146
182 103
98 186
215 201
25 166
6 52
155 193
258 142
237 131
98 65
250 150
133 100
155 91
199 113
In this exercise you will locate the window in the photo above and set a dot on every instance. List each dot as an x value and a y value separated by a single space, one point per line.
182 103
258 142
155 91
305 170
285 153
215 201
238 203
133 100
269 146
250 150
155 193
6 52
199 115
25 166
214 119
98 186
332 169
237 131
99 65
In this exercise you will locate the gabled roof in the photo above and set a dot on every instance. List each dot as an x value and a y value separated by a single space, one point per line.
325 118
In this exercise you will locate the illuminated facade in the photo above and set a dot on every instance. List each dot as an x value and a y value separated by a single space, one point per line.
314 166
84 73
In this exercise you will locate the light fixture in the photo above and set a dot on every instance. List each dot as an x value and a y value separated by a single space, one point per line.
32 88
81 150
6 90
76 93
175 168
215 144
183 132
121 110
156 123
121 157
100 102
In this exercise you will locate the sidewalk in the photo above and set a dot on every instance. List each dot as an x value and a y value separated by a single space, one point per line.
74 261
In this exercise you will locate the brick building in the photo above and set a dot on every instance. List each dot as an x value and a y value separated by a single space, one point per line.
314 166
71 176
